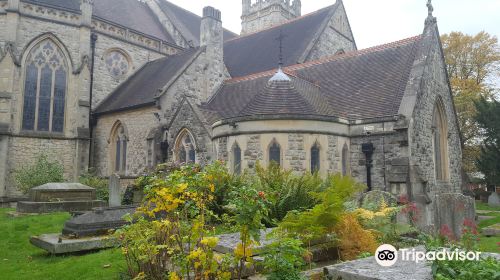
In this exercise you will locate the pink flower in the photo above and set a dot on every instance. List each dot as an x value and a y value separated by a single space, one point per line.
445 231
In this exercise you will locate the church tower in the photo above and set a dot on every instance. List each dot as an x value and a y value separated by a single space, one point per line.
267 13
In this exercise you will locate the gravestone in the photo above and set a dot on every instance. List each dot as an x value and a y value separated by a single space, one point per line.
60 197
493 199
115 198
452 209
98 222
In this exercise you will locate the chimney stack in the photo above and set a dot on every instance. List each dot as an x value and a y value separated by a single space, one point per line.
86 7
212 38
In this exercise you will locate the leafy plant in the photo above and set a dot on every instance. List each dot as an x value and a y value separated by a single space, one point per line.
98 183
320 221
485 268
287 191
43 171
353 238
283 259
170 237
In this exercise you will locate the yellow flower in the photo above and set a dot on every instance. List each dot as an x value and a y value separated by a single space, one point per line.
174 276
211 242
212 187
183 187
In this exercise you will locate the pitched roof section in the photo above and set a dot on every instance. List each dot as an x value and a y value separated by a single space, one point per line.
133 14
261 50
141 88
359 85
187 22
72 5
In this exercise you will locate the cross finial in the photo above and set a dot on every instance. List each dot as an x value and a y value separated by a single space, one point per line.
430 8
430 18
280 39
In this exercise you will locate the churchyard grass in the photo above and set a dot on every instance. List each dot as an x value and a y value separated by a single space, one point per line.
21 260
489 244
484 206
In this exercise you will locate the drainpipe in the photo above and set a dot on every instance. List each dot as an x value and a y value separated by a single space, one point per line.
368 149
93 39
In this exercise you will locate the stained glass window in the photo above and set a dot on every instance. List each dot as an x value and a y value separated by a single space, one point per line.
185 150
45 88
345 159
237 159
116 63
315 157
120 140
275 153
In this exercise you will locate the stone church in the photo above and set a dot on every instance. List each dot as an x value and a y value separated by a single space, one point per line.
122 85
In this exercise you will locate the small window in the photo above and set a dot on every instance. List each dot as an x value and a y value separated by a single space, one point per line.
237 159
275 153
120 149
151 153
185 149
345 159
315 158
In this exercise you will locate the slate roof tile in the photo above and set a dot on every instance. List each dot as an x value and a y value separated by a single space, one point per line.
357 85
143 86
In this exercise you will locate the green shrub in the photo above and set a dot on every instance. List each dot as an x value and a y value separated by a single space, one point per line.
487 268
322 218
98 183
43 171
287 191
283 260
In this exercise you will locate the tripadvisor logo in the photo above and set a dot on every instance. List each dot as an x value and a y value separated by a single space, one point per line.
386 255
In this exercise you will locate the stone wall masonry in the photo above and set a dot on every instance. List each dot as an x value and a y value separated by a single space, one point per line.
435 86
186 118
295 150
193 83
138 124
336 36
296 154
389 148
24 151
104 82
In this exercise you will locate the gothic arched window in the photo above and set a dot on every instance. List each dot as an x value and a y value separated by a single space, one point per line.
45 88
275 153
119 141
440 142
185 150
315 158
116 63
345 159
236 159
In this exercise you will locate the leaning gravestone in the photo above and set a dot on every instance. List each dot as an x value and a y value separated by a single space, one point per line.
493 199
115 198
60 197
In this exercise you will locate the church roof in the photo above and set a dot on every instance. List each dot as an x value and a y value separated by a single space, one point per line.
363 84
144 85
187 22
261 51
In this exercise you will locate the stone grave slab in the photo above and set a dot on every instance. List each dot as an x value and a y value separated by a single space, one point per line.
60 197
98 222
115 198
57 244
494 199
493 230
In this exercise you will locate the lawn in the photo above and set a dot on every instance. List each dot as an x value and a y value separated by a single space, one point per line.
489 244
21 260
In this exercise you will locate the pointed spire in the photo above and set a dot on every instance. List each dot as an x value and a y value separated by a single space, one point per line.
430 9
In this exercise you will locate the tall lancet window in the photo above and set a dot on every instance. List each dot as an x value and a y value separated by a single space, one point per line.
440 142
275 153
119 140
185 150
236 159
345 160
315 158
45 88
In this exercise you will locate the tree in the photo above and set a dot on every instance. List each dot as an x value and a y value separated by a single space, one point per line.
488 119
471 61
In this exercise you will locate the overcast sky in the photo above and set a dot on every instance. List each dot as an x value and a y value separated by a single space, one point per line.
377 22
